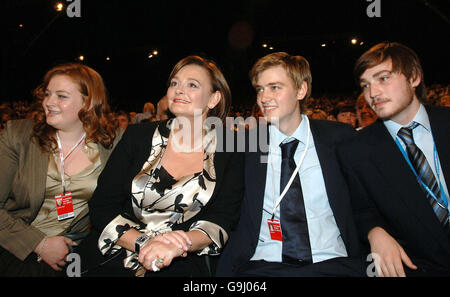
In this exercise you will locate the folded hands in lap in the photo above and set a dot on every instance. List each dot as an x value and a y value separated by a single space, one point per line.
166 247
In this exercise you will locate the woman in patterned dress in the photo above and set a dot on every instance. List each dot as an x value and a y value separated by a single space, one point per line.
170 195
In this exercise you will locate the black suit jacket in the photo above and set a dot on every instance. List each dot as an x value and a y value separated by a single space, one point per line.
385 192
244 239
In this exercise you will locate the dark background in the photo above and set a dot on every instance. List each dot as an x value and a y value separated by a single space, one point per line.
229 32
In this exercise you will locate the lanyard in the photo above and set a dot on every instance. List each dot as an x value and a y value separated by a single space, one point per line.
443 202
294 174
62 158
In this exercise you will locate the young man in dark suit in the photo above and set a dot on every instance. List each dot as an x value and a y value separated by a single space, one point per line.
295 221
398 167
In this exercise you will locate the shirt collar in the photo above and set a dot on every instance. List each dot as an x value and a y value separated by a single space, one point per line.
421 117
301 133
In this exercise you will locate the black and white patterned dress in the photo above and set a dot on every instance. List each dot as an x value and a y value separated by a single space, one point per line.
159 201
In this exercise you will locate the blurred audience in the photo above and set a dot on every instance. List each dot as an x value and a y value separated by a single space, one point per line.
148 114
364 113
345 113
123 118
6 114
445 101
162 109
317 114
341 108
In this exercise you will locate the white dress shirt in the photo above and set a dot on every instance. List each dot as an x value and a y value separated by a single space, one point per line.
325 238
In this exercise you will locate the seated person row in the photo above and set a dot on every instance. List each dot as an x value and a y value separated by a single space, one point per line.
396 170
304 215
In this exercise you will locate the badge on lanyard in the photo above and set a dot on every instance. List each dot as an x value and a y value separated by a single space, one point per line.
275 229
64 206
64 203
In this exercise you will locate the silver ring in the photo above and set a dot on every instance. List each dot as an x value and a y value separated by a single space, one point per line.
154 267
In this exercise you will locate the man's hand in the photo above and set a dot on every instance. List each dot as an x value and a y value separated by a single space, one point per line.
389 254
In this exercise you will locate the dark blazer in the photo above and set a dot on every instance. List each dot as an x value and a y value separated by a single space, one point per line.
113 194
244 239
385 192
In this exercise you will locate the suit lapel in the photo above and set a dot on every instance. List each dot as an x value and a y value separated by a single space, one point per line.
334 183
220 159
392 166
440 127
38 177
255 180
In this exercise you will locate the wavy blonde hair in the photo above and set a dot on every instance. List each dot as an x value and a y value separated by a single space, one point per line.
296 67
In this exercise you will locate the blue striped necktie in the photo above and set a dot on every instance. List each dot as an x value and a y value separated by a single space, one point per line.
424 173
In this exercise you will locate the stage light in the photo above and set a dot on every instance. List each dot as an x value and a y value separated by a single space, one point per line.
81 58
59 6
323 45
354 40
264 45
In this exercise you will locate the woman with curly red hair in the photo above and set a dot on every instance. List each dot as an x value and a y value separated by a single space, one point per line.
50 170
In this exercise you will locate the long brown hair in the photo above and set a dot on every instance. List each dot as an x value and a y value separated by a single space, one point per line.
95 113
218 82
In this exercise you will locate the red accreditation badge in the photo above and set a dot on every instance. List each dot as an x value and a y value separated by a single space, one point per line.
275 229
64 206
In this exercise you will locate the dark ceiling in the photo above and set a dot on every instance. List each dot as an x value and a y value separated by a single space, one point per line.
35 37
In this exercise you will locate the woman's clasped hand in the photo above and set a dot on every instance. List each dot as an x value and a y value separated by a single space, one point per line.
162 249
